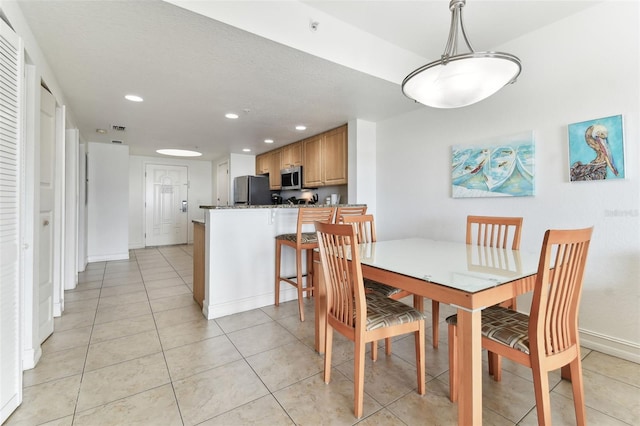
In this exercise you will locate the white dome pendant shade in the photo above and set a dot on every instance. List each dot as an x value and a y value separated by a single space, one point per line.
458 80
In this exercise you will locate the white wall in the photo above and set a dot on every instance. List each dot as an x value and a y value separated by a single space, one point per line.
362 164
200 193
108 202
571 73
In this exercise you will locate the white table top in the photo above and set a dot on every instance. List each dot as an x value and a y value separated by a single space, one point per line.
464 267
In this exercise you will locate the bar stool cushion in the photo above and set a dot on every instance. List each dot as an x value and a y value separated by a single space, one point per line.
503 325
385 312
306 237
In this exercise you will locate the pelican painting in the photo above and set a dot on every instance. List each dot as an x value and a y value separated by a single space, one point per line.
596 149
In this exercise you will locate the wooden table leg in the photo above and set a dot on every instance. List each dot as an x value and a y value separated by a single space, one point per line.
320 301
470 366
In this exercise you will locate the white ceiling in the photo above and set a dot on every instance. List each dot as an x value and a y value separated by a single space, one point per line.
192 69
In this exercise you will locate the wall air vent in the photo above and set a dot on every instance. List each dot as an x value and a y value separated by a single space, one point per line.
118 128
114 141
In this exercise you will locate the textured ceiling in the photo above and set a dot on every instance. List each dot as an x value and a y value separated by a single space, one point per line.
192 69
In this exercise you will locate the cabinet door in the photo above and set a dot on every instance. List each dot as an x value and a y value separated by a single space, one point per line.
275 159
334 156
263 161
312 156
292 155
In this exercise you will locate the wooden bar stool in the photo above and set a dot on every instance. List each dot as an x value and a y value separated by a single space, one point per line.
301 241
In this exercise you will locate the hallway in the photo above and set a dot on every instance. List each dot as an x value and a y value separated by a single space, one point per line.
132 347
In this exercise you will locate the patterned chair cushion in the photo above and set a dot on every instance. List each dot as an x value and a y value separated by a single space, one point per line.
385 290
504 326
384 312
307 237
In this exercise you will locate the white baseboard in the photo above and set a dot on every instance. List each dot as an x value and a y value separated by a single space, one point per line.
213 310
108 257
609 345
30 357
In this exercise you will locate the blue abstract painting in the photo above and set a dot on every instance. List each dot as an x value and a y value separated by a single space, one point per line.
596 149
502 167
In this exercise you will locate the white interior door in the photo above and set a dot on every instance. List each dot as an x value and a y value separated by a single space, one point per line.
10 224
166 202
222 179
46 216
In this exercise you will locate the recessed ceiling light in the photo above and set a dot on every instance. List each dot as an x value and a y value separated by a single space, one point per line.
246 150
268 141
231 115
101 131
179 152
301 127
133 98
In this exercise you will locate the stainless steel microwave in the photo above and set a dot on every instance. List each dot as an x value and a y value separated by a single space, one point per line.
291 178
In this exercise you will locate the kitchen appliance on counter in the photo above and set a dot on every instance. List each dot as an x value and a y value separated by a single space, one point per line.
276 199
291 178
251 190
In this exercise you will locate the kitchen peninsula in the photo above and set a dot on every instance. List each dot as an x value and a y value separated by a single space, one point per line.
239 256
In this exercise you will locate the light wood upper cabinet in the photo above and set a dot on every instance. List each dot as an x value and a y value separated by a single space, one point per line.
269 162
275 159
334 156
292 155
263 163
325 158
312 169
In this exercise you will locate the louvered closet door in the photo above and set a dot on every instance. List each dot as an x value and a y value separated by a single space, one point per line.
10 167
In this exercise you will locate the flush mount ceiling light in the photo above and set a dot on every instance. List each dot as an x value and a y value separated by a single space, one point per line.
179 152
457 80
268 141
301 127
231 115
133 98
246 150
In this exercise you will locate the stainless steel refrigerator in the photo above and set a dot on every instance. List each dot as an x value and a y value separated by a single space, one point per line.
251 190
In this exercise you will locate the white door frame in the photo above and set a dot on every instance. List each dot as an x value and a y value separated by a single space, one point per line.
222 184
70 259
31 350
59 214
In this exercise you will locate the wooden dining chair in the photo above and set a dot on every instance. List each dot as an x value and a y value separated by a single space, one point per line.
361 317
365 229
301 241
487 231
344 211
547 338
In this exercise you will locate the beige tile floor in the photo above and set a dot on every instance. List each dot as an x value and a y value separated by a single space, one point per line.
132 347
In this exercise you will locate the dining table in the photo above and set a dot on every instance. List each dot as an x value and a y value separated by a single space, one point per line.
467 277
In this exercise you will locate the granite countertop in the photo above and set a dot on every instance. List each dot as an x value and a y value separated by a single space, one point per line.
278 206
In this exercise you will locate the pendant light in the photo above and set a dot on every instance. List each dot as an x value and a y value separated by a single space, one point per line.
457 80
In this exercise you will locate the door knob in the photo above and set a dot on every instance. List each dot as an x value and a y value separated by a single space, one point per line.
45 223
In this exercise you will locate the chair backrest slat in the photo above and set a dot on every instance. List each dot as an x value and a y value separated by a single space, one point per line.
363 226
343 212
553 322
342 274
311 215
493 231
